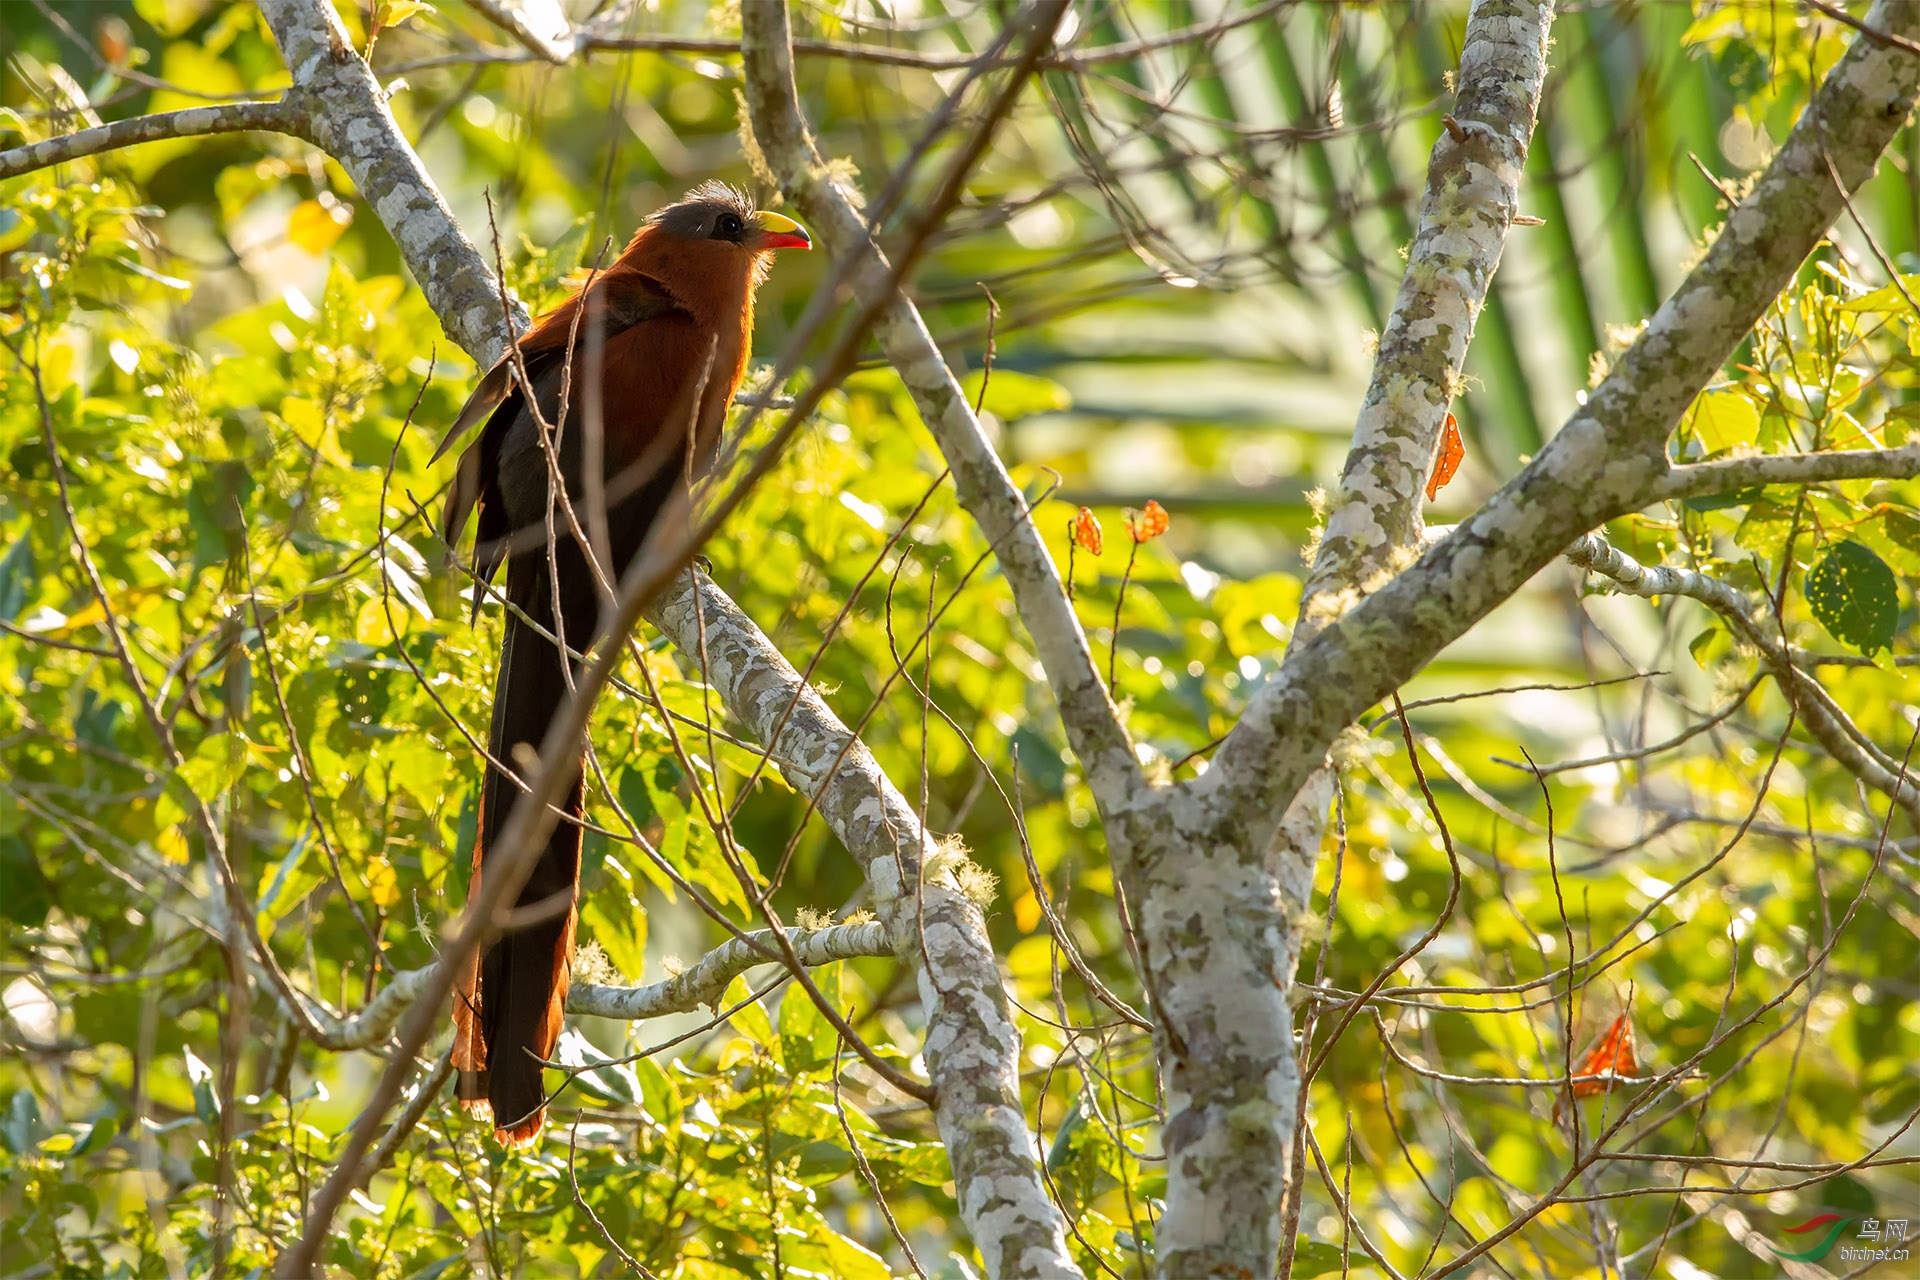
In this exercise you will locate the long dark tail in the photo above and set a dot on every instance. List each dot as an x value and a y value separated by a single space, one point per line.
511 1001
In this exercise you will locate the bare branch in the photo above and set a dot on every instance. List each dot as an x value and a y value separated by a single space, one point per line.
980 480
555 46
1830 726
1728 474
350 121
1609 459
1472 198
706 982
284 116
972 1046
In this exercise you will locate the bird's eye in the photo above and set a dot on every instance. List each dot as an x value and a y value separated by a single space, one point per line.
729 227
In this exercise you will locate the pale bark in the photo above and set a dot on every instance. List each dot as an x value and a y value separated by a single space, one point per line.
972 1046
1218 889
1728 474
1610 457
349 120
545 33
980 479
284 116
705 982
701 984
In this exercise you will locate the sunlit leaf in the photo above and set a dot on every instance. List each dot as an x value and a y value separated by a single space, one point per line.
1855 596
315 226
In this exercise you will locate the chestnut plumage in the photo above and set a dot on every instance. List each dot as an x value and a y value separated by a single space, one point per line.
675 321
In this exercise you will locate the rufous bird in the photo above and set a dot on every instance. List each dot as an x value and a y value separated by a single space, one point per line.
675 319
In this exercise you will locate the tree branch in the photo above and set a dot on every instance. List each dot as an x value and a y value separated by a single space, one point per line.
1216 914
980 480
557 47
1473 194
350 121
972 1046
706 982
703 984
598 37
1830 726
284 116
1609 459
1728 474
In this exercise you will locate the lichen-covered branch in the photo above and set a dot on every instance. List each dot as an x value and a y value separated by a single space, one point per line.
1218 885
349 120
1830 726
284 116
980 479
370 1027
705 982
1473 193
1609 458
972 1047
1728 474
702 984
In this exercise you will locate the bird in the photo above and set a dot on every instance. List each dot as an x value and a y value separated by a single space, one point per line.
675 320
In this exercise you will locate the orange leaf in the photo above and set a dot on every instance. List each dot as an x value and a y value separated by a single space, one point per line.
1152 523
1610 1057
1451 451
1606 1060
1086 532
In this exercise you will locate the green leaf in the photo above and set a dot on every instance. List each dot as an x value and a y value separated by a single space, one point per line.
851 1260
1887 299
619 924
394 12
206 1104
217 764
807 1039
23 889
1723 417
750 1021
1314 1258
214 512
17 585
291 883
22 1126
102 1131
1061 1149
1705 649
1855 596
1902 527
1013 395
1721 501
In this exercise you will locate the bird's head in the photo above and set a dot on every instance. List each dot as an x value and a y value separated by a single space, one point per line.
713 239
716 212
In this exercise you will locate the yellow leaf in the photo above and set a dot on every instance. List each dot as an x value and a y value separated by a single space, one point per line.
93 613
315 226
383 883
372 625
173 846
394 12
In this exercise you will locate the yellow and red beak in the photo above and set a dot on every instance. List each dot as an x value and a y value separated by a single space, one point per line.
778 231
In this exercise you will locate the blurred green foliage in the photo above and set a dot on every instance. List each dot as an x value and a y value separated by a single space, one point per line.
244 391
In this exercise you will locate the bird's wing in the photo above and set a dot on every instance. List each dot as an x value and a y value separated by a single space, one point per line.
629 297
